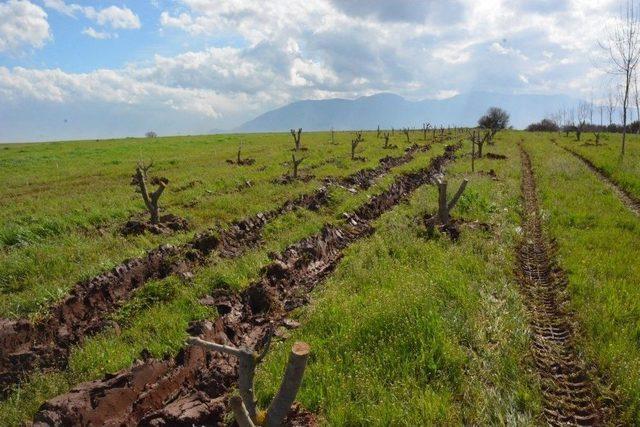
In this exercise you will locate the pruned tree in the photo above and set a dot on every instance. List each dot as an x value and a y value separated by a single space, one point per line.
443 217
150 199
295 164
378 134
406 133
354 144
296 138
333 137
244 406
478 141
623 48
425 128
386 140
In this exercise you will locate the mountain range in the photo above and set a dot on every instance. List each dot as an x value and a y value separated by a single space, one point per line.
389 110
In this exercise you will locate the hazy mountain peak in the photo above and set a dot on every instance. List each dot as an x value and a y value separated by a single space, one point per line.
392 110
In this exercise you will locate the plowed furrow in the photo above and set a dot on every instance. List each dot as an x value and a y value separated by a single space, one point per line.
46 343
191 389
570 397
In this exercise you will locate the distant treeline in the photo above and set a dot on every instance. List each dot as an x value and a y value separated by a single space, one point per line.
548 125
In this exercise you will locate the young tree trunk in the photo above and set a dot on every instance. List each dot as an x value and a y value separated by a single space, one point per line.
289 386
443 212
150 200
473 152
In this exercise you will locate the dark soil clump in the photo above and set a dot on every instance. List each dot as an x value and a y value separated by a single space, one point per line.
168 224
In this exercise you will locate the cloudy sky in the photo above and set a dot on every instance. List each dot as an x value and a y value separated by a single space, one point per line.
115 67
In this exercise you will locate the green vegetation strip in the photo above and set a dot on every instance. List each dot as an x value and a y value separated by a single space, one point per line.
624 171
598 246
63 204
410 331
157 316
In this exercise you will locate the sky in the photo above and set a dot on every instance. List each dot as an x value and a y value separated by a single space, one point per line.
113 68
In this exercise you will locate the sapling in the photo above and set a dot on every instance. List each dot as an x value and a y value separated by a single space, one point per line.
354 144
150 199
406 133
244 406
425 128
443 217
296 163
296 138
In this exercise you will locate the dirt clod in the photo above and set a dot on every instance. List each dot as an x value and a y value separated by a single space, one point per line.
168 224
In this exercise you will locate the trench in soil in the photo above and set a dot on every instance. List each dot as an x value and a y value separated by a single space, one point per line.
569 393
45 344
192 388
628 199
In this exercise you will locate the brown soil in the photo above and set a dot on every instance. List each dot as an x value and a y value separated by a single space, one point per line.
456 225
187 186
192 388
168 224
494 156
289 179
45 343
366 177
242 162
629 200
569 392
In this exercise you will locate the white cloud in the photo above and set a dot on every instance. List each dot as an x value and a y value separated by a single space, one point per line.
115 87
271 53
22 24
113 16
100 35
61 7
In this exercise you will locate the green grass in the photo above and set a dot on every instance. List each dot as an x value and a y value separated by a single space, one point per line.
410 331
157 315
598 247
62 204
625 171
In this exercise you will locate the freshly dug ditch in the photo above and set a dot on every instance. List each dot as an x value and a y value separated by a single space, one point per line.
192 388
569 394
45 344
628 199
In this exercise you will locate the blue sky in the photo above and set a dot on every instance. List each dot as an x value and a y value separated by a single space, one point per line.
95 69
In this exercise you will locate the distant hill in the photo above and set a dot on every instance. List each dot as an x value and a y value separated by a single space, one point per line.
389 110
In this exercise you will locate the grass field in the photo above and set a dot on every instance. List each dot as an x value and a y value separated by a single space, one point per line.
410 328
63 204
606 156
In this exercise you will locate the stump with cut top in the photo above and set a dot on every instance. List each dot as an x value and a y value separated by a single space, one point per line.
244 405
443 217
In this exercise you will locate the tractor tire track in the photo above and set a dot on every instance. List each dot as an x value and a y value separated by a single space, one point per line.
628 199
569 394
193 387
45 344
